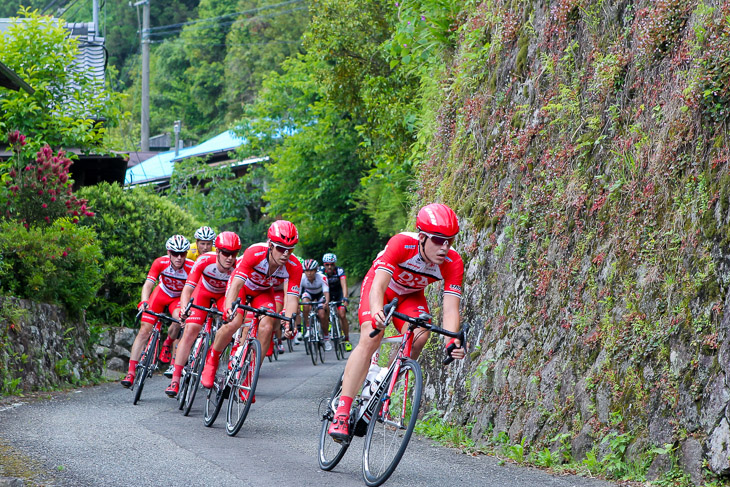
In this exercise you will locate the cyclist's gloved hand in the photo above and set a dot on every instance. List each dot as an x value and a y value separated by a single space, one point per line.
230 314
379 319
346 300
456 351
143 305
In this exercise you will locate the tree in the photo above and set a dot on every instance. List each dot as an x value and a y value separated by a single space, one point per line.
67 108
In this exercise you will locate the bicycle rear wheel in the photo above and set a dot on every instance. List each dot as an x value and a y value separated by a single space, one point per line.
144 368
389 431
243 388
195 372
275 345
330 451
185 379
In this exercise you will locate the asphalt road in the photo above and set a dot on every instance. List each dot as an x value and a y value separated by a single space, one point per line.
95 436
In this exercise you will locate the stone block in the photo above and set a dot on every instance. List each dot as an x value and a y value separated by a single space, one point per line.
718 449
690 458
117 364
121 352
661 464
102 351
124 337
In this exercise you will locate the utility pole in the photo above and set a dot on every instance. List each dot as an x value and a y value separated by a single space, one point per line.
145 36
95 16
176 128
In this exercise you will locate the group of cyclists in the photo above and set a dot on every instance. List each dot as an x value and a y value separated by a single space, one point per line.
269 275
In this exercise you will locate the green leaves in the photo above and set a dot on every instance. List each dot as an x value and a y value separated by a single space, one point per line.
41 52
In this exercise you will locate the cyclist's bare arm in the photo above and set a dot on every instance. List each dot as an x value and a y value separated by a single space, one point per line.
377 296
187 292
452 321
234 287
291 303
147 289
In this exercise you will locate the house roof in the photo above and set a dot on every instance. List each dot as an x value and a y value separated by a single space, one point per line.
161 166
10 79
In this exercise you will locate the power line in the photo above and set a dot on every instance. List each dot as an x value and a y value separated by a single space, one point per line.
225 24
235 14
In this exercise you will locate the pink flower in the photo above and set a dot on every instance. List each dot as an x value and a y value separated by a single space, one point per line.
45 205
64 254
40 191
53 198
47 219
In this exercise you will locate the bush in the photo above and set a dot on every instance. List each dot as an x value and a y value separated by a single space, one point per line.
132 227
57 264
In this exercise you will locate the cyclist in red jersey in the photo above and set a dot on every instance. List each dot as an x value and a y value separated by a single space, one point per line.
212 270
409 263
279 285
171 270
260 267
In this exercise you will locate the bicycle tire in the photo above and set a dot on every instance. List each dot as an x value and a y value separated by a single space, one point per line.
336 347
384 442
290 344
182 392
215 395
243 389
312 350
195 374
275 344
185 379
146 366
320 345
330 451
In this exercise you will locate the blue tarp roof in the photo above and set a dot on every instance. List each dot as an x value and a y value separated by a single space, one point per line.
162 165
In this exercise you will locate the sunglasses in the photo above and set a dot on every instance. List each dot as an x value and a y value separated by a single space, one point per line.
226 253
329 265
439 241
281 249
178 254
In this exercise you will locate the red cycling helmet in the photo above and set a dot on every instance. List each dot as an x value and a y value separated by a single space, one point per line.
283 233
437 219
228 241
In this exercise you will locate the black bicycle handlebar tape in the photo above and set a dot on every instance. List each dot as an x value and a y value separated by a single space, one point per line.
388 309
452 347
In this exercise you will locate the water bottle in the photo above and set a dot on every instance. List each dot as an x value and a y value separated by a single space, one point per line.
378 379
372 375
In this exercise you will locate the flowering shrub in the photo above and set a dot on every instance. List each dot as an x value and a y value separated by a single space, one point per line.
40 192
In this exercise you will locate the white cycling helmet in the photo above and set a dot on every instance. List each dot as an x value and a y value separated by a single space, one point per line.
329 258
177 243
205 233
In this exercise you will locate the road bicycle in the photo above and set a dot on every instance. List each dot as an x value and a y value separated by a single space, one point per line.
148 360
387 412
313 338
193 370
336 335
238 382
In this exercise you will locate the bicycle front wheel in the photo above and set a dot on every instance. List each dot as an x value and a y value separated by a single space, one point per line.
215 395
330 451
195 372
243 389
391 425
145 366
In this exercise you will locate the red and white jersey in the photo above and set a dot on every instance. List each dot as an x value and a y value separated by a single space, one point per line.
171 281
253 269
206 270
411 273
